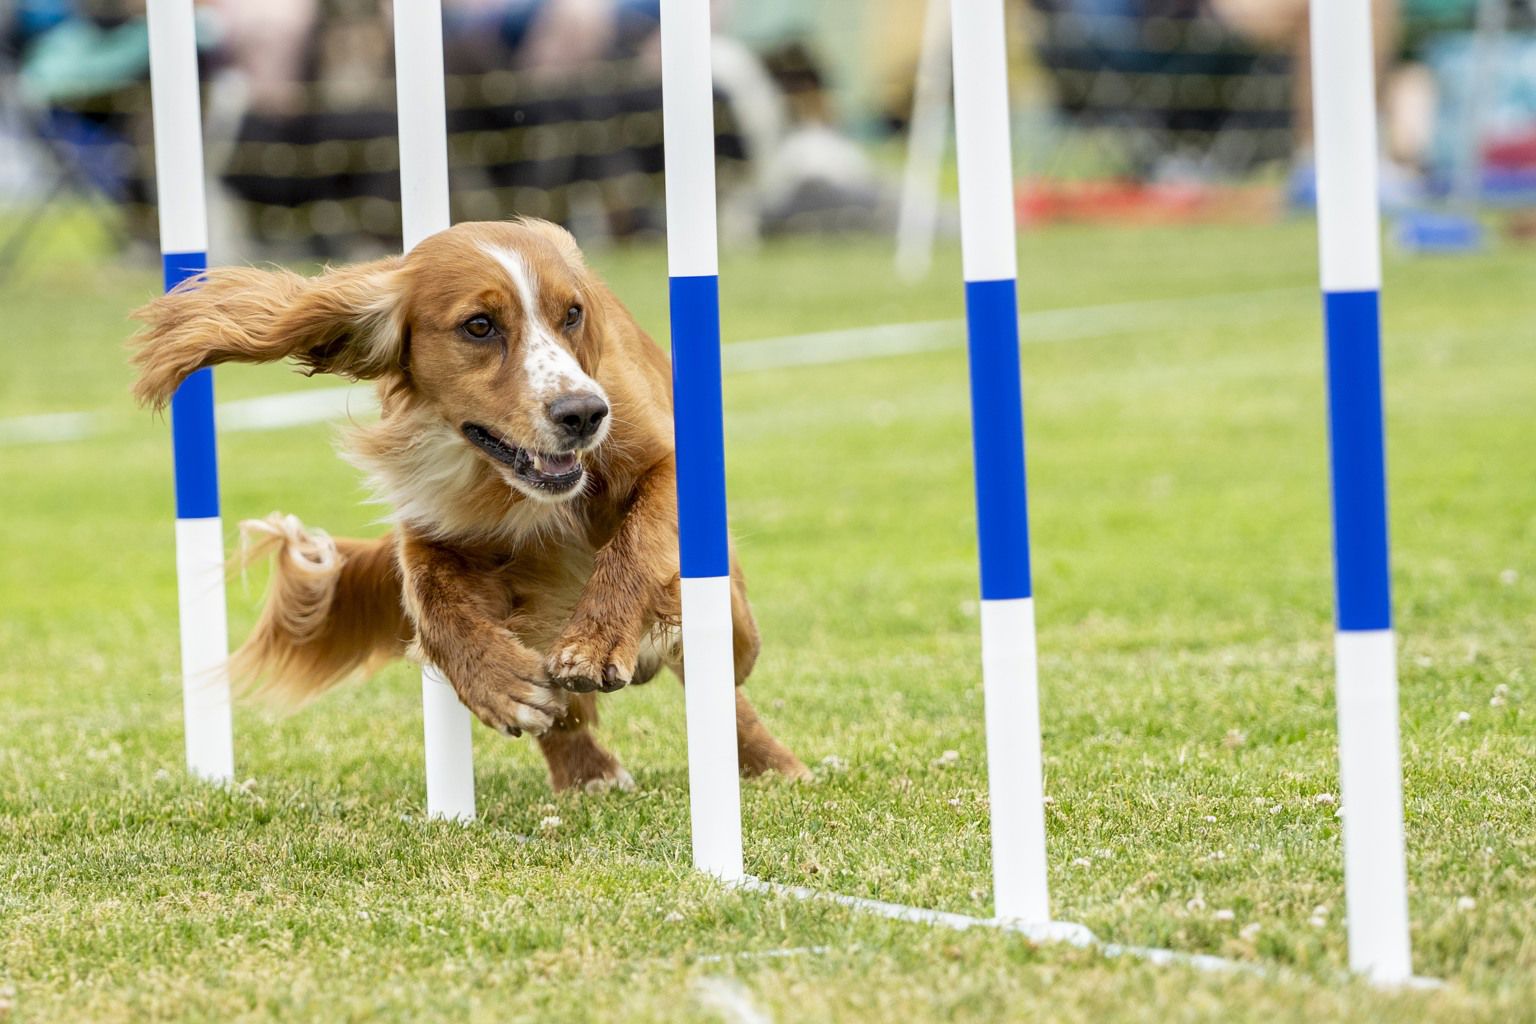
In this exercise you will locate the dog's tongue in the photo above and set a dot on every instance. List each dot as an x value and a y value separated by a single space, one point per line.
557 465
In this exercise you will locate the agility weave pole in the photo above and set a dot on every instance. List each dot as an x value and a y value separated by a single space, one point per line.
177 119
688 122
1010 680
1349 233
423 112
1367 704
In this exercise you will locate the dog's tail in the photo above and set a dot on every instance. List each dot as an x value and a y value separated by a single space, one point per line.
333 607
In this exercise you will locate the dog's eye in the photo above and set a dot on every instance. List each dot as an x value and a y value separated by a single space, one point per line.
573 316
478 327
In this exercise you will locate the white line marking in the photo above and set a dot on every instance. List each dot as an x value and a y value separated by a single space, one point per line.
768 954
730 999
1064 932
821 348
49 427
1049 325
293 409
1049 931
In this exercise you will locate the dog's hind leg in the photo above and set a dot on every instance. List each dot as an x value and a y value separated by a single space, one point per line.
758 752
576 760
756 748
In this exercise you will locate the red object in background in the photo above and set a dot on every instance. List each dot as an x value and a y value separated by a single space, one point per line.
1512 152
1131 202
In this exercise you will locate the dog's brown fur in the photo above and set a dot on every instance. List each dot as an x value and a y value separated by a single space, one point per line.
518 597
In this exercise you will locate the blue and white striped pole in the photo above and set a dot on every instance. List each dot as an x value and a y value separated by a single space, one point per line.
1009 675
178 131
1370 771
714 789
419 95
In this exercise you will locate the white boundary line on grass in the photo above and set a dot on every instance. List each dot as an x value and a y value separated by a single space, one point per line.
820 348
1063 932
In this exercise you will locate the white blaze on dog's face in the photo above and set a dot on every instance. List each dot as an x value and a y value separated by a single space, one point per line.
504 338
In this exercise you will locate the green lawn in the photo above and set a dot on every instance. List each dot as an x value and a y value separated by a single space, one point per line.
1180 521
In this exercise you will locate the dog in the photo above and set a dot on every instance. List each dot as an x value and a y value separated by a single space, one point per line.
525 448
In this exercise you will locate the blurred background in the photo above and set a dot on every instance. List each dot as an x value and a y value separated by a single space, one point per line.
832 118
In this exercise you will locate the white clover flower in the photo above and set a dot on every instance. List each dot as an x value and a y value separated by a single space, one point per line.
945 759
1224 914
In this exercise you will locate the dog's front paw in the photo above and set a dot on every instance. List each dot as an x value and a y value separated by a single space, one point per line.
513 705
591 657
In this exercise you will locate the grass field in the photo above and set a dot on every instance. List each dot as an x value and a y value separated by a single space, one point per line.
1178 488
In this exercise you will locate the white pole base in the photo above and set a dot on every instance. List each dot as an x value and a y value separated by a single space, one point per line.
450 755
1371 794
204 649
714 783
1015 783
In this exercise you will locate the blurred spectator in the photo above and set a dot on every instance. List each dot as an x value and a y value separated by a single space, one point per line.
1213 87
1283 25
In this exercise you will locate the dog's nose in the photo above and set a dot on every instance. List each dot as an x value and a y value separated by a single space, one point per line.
578 416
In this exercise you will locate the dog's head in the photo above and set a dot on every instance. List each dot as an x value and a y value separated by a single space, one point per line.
496 328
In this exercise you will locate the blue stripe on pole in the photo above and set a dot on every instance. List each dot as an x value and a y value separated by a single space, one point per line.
997 432
178 266
700 429
192 438
1362 576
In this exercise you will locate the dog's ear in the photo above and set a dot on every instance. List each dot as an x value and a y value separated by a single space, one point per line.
348 321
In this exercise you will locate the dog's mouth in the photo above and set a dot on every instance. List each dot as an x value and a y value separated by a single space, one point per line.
550 474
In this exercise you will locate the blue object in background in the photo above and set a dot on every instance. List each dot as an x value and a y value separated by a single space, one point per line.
1424 232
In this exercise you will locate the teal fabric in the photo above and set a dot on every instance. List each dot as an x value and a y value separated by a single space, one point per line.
1439 12
78 59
